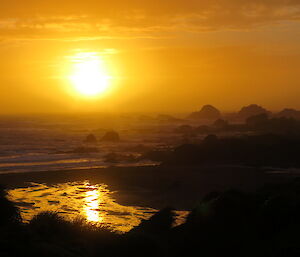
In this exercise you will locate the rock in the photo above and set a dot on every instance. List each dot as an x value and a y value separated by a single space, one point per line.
207 112
91 139
251 110
220 124
111 136
257 120
289 113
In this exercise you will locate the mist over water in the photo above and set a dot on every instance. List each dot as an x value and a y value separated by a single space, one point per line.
33 143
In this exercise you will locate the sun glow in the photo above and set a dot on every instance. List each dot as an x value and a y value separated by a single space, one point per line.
89 75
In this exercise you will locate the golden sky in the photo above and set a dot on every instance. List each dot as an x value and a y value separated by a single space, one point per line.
159 55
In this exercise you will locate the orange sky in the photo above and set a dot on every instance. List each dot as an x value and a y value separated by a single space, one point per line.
170 55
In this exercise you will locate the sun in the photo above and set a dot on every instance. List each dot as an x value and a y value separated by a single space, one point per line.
89 76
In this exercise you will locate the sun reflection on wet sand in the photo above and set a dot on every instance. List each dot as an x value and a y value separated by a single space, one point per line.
94 202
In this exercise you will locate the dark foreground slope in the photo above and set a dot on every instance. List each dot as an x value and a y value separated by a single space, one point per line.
265 223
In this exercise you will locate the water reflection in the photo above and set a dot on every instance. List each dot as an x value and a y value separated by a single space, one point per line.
94 202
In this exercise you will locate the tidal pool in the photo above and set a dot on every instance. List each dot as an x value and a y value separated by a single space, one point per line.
81 199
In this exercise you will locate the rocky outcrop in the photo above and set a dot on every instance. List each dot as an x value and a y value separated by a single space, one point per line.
257 120
207 112
91 139
289 113
251 110
220 124
111 136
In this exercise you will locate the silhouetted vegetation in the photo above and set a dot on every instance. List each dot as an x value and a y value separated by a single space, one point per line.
9 214
230 223
240 224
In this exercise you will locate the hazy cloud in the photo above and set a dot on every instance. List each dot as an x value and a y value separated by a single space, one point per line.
91 18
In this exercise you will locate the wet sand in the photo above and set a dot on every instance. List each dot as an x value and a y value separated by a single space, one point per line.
155 186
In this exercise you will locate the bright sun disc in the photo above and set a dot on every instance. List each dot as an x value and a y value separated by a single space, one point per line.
89 76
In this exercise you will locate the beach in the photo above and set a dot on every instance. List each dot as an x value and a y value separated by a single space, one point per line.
153 186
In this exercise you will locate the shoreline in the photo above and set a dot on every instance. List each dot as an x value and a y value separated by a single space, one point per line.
151 186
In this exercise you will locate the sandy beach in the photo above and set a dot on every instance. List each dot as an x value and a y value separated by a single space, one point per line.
155 186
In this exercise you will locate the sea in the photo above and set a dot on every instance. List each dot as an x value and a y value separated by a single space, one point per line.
35 143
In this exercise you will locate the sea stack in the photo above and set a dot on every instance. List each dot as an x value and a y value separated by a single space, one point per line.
111 136
207 112
251 110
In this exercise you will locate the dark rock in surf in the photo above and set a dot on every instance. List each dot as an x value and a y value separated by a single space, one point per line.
91 139
111 136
